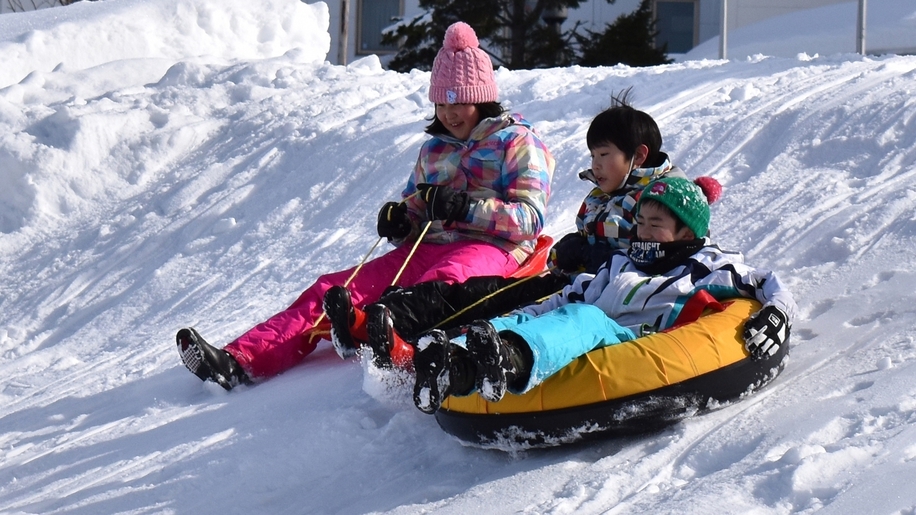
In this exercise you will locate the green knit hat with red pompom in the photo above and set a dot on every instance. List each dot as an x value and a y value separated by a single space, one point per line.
685 198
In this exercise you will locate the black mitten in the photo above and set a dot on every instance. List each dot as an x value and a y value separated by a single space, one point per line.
444 203
765 331
393 221
570 253
598 254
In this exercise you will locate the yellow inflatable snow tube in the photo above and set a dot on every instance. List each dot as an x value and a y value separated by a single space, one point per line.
640 385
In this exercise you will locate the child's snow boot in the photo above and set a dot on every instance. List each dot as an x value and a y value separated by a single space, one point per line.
431 366
207 362
402 352
380 329
441 369
347 322
500 362
388 348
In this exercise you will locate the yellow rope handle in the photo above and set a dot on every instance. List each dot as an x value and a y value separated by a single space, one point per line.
347 283
366 257
490 296
414 249
408 197
361 263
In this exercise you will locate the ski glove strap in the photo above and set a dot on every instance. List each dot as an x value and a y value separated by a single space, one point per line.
393 221
444 203
765 331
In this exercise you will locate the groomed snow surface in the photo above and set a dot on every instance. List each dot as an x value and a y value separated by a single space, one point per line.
167 163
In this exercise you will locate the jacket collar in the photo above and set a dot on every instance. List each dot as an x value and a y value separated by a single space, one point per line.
486 128
638 176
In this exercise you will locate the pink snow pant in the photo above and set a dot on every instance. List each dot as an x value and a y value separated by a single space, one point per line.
281 343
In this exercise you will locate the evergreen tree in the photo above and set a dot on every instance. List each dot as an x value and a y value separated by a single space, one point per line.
18 6
629 40
512 31
416 44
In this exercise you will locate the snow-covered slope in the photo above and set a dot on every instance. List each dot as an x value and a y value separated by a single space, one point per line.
206 177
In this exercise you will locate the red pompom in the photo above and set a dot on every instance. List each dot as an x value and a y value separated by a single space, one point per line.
711 188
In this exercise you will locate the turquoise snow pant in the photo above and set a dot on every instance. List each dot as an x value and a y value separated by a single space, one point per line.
560 336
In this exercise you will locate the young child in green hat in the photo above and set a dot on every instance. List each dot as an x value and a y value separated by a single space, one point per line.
636 292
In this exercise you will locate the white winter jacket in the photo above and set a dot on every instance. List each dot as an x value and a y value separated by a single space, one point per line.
647 304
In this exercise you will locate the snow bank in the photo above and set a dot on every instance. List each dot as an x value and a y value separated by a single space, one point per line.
75 73
83 35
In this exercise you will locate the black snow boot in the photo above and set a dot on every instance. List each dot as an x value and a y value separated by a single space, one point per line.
442 369
207 362
380 329
339 309
500 362
430 363
462 372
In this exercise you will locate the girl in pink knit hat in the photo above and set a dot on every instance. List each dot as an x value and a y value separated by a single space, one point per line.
477 195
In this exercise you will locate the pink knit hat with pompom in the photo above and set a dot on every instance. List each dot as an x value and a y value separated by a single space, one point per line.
462 72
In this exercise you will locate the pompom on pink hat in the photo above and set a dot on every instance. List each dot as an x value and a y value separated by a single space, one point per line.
462 72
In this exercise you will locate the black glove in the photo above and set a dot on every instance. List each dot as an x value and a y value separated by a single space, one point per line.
765 331
393 221
444 203
570 253
598 254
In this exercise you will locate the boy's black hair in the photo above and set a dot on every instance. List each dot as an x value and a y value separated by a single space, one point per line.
626 128
678 223
486 110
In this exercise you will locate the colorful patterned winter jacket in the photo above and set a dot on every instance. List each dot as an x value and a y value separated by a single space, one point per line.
605 220
647 304
609 217
505 168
